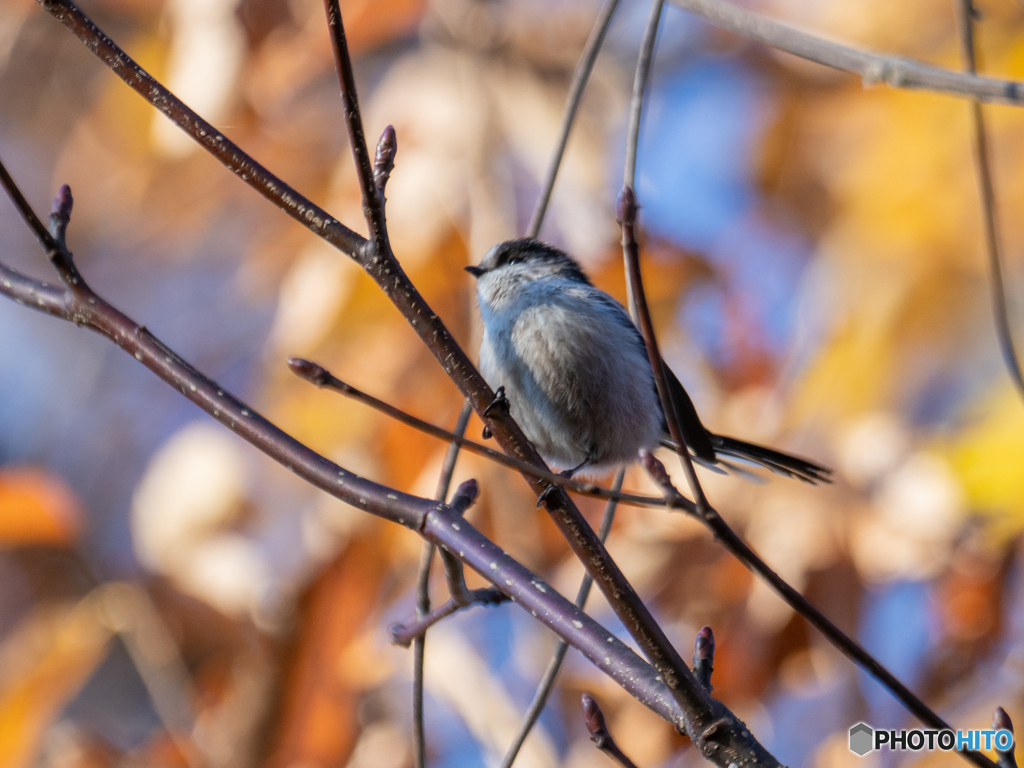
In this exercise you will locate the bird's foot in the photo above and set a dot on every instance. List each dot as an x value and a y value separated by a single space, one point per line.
499 403
546 495
552 489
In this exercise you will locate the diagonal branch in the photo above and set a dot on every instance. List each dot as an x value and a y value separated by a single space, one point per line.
986 190
321 377
739 548
873 68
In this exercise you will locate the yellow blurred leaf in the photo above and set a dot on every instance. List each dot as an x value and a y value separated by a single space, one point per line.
988 459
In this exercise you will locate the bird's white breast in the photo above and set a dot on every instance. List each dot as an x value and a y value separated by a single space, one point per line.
576 375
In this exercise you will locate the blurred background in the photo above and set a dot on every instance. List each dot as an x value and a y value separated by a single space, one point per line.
814 257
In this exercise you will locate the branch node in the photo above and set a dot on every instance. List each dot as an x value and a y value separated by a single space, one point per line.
404 634
657 472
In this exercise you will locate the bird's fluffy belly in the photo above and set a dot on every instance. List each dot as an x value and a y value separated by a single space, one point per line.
579 390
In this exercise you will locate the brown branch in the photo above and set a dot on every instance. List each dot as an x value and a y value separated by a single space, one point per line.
579 83
873 68
849 648
599 733
381 171
627 212
987 193
321 377
547 681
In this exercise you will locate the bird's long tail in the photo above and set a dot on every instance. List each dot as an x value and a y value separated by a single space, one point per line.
758 455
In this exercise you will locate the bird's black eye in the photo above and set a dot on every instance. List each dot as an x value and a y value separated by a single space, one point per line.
515 260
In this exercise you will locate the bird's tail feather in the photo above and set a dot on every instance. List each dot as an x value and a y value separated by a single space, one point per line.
759 456
776 461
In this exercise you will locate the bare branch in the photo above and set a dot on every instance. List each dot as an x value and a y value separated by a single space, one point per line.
631 253
579 83
734 544
643 70
435 521
321 377
547 681
873 68
213 141
986 190
599 734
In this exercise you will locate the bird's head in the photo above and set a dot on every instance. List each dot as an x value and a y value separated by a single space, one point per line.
516 262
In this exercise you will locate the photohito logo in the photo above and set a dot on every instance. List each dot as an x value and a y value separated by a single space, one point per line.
864 739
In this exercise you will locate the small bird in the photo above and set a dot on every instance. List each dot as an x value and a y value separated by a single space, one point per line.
573 370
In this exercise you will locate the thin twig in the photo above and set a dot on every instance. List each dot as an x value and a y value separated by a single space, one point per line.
579 83
321 377
631 253
373 207
423 577
986 190
547 682
873 68
643 70
404 634
599 733
636 105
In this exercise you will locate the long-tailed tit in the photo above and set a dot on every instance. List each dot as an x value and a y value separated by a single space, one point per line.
575 370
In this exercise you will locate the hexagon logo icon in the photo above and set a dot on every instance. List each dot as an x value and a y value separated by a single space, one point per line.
862 739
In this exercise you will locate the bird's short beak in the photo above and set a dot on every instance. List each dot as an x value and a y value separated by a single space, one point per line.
475 271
